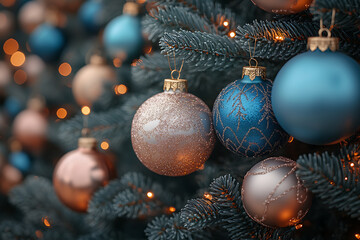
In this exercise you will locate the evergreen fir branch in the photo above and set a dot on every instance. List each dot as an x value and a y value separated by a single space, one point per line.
199 214
37 200
351 7
165 228
205 51
168 19
10 230
276 40
134 201
100 210
334 178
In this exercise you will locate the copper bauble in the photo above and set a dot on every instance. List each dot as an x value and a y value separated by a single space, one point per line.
79 174
30 129
273 195
172 133
31 15
283 6
89 81
9 178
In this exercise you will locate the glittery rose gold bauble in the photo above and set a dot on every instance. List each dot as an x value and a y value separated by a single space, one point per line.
283 6
89 81
30 129
172 133
31 15
79 174
9 178
33 67
273 195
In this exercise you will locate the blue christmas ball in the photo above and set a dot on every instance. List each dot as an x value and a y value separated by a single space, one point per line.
47 42
244 121
21 161
316 97
89 15
13 106
123 37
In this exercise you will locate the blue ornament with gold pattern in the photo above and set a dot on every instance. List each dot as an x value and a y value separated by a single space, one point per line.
316 94
243 118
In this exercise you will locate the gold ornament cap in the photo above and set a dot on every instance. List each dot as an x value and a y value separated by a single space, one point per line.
131 8
87 142
175 85
254 72
323 43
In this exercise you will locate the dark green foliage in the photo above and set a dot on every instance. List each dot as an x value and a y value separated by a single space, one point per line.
10 230
334 178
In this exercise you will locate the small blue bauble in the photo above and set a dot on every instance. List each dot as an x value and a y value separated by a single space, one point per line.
243 118
47 42
89 15
316 97
13 106
123 37
21 161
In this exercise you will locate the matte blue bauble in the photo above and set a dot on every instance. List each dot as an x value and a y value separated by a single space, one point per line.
13 106
123 36
47 42
21 161
316 97
89 15
244 121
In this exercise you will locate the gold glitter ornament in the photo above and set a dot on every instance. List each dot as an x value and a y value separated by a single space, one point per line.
172 132
273 195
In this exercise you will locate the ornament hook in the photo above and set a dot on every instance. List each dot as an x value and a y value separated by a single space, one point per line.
327 30
175 70
256 62
252 55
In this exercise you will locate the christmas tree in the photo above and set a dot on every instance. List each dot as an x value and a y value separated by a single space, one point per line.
136 119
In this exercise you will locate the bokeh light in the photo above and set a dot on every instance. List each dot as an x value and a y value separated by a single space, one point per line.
20 77
61 113
85 110
17 59
65 69
10 46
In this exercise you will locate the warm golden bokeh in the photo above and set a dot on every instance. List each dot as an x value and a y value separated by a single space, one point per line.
17 59
20 77
149 194
104 145
61 113
232 34
117 62
10 46
85 110
120 89
65 69
46 222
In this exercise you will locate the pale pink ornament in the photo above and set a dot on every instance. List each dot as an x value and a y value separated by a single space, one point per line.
31 15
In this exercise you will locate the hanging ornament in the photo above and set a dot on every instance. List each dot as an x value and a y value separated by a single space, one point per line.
7 23
79 174
9 178
89 15
33 67
283 6
172 132
122 36
316 94
273 195
243 118
47 42
31 15
5 74
88 84
30 126
19 159
71 6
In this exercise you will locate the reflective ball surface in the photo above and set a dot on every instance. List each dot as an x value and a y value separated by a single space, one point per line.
316 97
273 195
172 133
78 175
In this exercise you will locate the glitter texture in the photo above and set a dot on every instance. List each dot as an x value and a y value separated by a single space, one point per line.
273 195
172 133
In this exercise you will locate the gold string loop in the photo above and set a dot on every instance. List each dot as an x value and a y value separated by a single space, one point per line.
175 70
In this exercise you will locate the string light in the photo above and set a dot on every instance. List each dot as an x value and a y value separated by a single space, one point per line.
226 23
279 38
85 110
297 227
149 194
61 113
232 34
148 49
117 62
46 222
120 89
346 178
352 164
291 139
10 46
65 69
172 209
357 235
208 196
17 59
104 145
